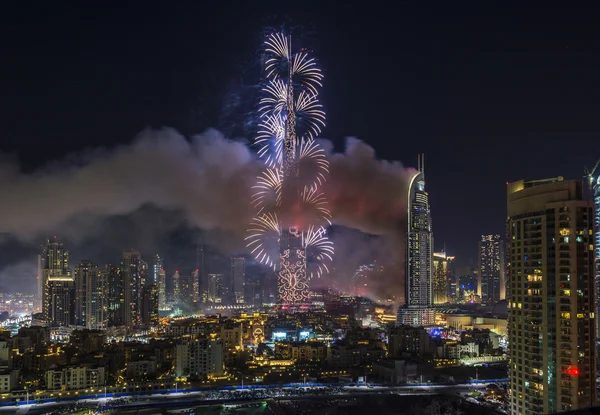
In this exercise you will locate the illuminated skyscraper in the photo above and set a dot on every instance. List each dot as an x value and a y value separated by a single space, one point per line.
452 278
133 273
196 286
238 277
186 288
157 266
162 289
61 304
97 300
594 182
55 267
440 276
115 295
87 275
150 306
419 255
176 287
551 312
39 300
491 286
215 288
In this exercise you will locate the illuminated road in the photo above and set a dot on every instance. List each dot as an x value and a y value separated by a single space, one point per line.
200 397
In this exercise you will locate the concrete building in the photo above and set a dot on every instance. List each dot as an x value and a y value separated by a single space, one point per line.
400 371
9 380
551 312
302 351
407 339
75 378
140 369
199 358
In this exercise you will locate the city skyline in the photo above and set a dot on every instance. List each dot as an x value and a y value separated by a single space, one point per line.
216 205
464 127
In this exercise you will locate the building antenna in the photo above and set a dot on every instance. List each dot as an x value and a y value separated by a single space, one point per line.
423 164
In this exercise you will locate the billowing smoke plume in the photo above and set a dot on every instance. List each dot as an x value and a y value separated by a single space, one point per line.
365 193
208 178
204 181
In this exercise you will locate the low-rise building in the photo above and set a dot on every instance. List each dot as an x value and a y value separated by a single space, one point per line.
199 358
408 339
399 371
74 378
140 369
9 380
302 351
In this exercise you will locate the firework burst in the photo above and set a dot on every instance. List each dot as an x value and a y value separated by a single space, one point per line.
288 232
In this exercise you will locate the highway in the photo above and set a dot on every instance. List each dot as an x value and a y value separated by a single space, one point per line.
204 397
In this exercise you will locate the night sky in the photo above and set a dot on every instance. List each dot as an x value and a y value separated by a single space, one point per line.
489 94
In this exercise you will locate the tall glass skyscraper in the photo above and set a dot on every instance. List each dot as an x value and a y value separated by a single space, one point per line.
418 300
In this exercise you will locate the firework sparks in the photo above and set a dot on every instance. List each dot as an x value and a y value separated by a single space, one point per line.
288 191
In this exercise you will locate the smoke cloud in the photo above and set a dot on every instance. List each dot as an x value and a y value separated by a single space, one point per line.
204 182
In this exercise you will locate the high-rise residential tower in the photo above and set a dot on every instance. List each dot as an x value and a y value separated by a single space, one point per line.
238 277
176 287
86 275
196 286
162 289
491 286
97 300
39 300
61 301
594 183
551 312
440 275
150 306
157 266
215 288
115 295
451 278
133 273
419 254
55 268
